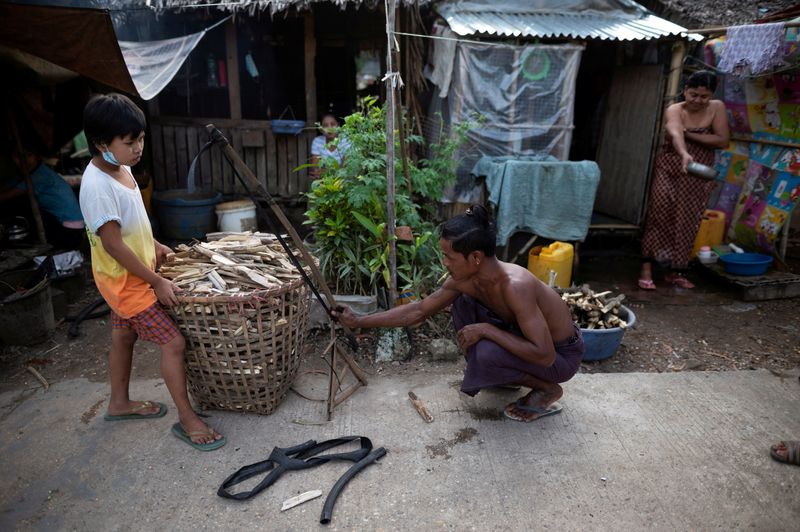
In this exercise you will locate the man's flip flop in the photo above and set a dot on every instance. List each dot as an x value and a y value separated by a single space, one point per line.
541 412
181 434
132 413
791 450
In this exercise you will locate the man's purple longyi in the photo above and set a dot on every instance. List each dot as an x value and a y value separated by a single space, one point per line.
489 365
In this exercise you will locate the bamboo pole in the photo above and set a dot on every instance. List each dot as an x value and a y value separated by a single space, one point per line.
35 212
675 70
390 104
784 144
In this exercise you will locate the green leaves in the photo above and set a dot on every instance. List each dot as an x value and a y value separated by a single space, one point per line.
346 206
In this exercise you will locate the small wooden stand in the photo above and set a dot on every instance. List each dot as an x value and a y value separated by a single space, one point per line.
337 354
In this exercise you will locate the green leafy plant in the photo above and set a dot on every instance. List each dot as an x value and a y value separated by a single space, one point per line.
346 207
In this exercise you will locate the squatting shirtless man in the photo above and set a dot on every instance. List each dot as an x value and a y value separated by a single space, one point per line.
512 328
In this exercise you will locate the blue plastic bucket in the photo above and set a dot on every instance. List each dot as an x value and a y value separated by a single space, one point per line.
603 343
184 216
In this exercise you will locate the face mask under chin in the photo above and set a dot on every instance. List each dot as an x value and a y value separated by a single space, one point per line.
110 159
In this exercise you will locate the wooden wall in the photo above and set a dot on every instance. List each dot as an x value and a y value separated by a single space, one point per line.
272 158
628 140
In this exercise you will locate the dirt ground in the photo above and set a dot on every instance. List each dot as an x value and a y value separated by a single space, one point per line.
706 329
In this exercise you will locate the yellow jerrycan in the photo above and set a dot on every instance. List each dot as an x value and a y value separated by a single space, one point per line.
711 231
557 258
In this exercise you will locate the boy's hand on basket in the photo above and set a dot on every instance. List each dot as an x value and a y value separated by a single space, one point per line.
166 292
162 252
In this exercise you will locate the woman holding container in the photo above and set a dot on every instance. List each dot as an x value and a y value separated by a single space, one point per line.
694 128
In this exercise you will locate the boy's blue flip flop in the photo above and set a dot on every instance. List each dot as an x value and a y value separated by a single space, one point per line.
555 408
181 434
132 414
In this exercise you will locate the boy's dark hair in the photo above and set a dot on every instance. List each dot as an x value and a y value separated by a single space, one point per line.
471 231
702 78
107 116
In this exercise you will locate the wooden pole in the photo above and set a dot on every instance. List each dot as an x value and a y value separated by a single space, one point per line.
675 70
245 173
37 215
232 66
391 80
782 143
310 53
35 212
724 29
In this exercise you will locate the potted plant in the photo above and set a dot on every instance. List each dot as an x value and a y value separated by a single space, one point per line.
346 207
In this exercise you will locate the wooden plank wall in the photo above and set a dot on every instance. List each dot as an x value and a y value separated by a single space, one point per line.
627 140
272 158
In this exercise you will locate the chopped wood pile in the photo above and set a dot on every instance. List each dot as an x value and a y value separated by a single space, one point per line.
229 264
592 310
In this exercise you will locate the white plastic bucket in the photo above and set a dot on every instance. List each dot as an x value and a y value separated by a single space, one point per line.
236 216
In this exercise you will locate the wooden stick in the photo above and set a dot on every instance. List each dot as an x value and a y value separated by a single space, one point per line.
783 143
39 376
420 407
300 499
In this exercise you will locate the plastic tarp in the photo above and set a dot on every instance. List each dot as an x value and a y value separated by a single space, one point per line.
524 96
153 64
80 40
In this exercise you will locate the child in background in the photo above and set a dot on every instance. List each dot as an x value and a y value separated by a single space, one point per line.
124 259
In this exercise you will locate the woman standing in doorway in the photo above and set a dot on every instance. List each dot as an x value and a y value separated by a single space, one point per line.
694 128
325 146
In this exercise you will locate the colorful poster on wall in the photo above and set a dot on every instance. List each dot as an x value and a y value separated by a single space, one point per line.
760 179
738 118
760 184
785 192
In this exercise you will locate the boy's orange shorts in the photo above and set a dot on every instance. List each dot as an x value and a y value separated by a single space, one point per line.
151 324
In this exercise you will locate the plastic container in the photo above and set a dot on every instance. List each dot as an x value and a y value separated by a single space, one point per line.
556 257
706 256
746 263
236 216
184 216
27 320
600 344
711 232
287 127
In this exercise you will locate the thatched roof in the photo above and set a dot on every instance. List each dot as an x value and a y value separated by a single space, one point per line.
273 6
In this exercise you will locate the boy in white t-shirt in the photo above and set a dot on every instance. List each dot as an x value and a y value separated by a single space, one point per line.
124 260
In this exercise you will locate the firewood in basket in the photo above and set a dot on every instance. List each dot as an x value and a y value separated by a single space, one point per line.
218 282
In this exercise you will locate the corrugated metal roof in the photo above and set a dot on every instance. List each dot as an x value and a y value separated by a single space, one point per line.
617 26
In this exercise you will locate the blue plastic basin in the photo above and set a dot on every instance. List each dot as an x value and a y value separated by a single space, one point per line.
746 263
184 216
603 343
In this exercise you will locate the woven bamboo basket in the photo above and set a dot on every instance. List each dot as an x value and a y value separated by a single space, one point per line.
242 352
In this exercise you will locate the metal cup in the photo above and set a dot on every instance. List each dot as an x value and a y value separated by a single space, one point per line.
701 170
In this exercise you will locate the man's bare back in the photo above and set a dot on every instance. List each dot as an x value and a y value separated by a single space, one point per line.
510 284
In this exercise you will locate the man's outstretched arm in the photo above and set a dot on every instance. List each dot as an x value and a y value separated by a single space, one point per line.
400 316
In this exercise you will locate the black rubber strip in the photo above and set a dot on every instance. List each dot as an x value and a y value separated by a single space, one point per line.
85 312
327 509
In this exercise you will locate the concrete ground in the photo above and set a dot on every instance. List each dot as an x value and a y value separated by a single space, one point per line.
633 451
